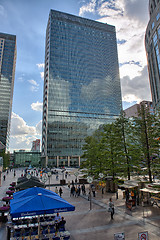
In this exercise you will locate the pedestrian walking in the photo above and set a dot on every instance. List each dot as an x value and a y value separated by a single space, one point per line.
69 184
117 194
79 190
4 177
127 194
111 207
83 189
60 192
94 191
14 173
76 192
72 192
56 190
102 191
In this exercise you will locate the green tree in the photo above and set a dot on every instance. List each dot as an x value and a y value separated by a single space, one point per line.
128 146
94 161
147 128
6 159
110 150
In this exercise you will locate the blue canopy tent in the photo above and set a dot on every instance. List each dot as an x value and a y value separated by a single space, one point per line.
38 204
33 191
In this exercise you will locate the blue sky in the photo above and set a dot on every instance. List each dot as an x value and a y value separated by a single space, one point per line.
27 19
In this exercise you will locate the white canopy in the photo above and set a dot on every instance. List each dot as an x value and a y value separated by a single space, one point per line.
149 190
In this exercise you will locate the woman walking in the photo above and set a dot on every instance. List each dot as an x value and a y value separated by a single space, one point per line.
60 192
111 207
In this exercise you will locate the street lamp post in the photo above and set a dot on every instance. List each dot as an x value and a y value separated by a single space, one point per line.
76 175
90 180
101 175
49 175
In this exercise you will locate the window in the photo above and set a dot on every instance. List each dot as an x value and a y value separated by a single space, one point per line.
155 39
152 25
158 32
157 17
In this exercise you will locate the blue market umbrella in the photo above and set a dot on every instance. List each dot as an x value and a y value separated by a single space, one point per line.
33 191
38 204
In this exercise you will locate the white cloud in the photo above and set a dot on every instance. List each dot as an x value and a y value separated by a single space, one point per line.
135 8
34 85
90 7
19 126
20 79
37 106
42 75
130 19
136 89
33 82
130 69
40 65
39 128
22 135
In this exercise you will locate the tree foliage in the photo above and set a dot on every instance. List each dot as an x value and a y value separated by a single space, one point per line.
124 146
6 159
147 128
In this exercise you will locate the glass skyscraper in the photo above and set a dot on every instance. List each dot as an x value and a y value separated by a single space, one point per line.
81 85
152 44
7 75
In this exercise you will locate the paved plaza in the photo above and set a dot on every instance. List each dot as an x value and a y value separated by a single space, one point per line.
86 224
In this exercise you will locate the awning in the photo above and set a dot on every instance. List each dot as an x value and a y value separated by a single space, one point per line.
38 204
149 190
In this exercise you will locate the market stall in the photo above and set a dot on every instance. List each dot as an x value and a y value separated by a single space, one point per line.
130 193
33 214
150 196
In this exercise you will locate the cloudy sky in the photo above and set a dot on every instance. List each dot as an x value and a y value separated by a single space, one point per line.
27 19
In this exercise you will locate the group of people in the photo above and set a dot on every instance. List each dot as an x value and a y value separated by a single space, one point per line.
59 222
132 195
76 191
4 176
60 191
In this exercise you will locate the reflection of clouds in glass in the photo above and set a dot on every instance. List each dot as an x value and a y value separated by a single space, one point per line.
59 99
60 103
96 88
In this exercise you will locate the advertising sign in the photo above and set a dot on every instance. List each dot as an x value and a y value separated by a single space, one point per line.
119 236
143 236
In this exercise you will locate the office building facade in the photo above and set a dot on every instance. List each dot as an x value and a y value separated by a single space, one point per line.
7 75
23 158
36 146
152 44
133 110
81 85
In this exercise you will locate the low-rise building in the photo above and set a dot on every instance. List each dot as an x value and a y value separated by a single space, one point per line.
24 158
133 110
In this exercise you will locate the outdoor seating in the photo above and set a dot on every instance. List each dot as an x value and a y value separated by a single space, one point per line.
21 205
52 229
35 232
17 233
66 238
45 231
34 220
61 228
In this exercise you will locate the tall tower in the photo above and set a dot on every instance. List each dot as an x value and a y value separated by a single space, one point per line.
81 85
7 74
152 44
